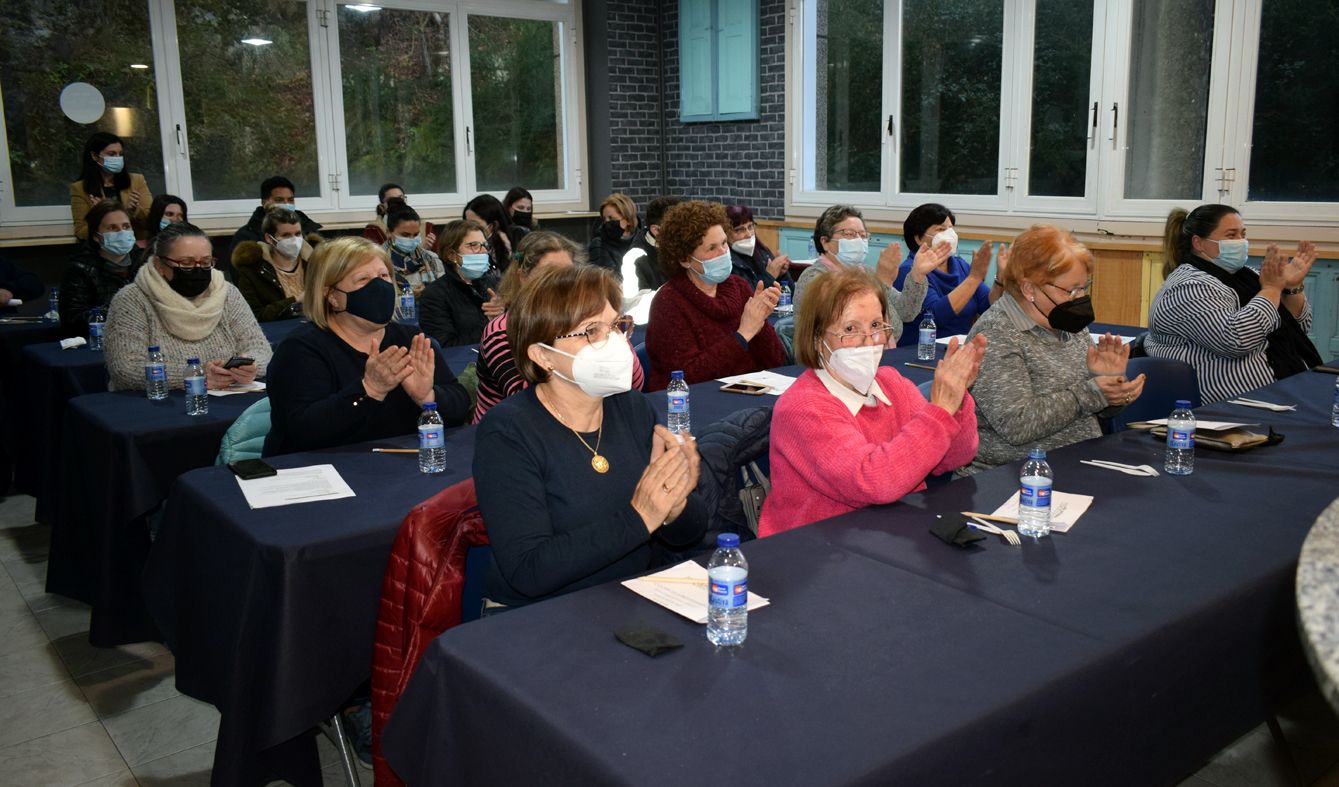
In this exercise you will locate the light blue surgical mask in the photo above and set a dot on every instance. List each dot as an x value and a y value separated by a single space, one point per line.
162 224
113 164
852 251
119 242
285 205
474 266
1232 254
404 245
714 270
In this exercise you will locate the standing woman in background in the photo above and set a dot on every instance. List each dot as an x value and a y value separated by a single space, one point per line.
502 237
520 207
103 176
1240 329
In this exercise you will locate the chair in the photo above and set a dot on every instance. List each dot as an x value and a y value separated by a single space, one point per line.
421 597
645 360
1167 381
245 439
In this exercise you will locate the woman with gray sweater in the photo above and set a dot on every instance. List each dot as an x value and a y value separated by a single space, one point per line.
1043 382
180 302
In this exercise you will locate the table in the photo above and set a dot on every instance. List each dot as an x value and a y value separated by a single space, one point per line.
1318 600
1128 651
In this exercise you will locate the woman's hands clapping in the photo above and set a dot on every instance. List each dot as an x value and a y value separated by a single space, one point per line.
956 373
758 309
410 368
1107 360
668 480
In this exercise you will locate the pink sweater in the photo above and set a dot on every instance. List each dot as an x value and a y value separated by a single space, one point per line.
826 461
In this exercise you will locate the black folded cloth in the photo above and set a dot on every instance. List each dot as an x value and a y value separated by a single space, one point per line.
956 532
652 642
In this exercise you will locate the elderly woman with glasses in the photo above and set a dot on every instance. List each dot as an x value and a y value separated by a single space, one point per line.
841 239
851 433
455 308
1044 382
576 481
180 302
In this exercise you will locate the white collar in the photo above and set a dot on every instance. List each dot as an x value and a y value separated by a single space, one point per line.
851 399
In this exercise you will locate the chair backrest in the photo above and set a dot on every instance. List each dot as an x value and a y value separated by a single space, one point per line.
1167 380
421 597
245 439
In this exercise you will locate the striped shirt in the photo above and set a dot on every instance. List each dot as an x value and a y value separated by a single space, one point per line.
1200 320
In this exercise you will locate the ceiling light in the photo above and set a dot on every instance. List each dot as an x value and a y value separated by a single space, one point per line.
257 41
138 65
363 8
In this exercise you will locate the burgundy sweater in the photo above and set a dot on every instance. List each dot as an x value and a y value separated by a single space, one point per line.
696 333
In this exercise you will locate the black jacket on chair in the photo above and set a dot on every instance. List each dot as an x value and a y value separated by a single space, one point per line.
90 280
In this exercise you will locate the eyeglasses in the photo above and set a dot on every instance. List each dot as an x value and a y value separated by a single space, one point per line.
748 227
1077 292
203 262
878 334
476 247
598 333
851 234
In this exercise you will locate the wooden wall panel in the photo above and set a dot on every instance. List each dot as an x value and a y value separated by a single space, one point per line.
1118 287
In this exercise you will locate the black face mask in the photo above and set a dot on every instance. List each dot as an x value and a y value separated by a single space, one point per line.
612 230
521 218
374 301
190 282
1072 316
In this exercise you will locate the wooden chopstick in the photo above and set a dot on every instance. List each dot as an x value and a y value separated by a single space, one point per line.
394 450
991 517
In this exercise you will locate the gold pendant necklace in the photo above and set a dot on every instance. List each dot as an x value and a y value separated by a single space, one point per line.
597 462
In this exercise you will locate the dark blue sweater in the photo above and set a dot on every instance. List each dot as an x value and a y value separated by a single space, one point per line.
947 322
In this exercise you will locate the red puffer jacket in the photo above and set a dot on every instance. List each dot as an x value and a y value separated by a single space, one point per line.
420 597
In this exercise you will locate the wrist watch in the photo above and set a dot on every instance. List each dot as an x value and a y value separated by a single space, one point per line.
1294 290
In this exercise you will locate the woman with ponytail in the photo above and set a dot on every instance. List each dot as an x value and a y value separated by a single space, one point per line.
1239 329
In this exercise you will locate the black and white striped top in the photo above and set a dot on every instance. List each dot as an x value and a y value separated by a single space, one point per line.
1198 319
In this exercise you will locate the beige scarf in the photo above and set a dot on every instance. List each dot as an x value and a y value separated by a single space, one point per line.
190 320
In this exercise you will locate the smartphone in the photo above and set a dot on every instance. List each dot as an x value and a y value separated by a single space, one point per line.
248 469
238 360
745 387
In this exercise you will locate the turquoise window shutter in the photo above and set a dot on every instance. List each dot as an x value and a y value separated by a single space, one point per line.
696 60
718 60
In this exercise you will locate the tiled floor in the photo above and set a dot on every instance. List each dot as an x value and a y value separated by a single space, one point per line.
73 714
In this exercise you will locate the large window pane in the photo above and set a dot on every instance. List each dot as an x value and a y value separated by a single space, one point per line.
951 66
248 105
1170 56
398 119
1061 67
45 47
1295 131
515 81
849 95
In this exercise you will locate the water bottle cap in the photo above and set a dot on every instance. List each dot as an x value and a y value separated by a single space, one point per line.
676 375
153 348
429 405
1036 453
727 540
1183 404
192 361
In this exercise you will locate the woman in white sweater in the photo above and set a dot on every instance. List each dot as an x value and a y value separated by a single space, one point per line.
180 302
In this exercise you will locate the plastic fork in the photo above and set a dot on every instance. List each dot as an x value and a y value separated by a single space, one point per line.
1138 470
1009 536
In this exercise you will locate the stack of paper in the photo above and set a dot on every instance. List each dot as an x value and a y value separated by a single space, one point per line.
1066 509
778 383
1206 426
682 589
240 388
295 485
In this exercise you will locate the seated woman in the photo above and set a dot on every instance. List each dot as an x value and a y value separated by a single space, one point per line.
577 483
270 274
164 210
502 236
704 321
351 375
1043 383
851 433
414 265
498 375
616 234
750 259
520 207
106 262
1238 328
957 293
455 308
180 302
842 240
103 177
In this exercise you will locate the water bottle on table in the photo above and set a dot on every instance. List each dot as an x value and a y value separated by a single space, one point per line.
925 343
1180 440
728 593
97 323
784 307
1034 496
679 418
408 309
197 399
431 440
155 374
53 306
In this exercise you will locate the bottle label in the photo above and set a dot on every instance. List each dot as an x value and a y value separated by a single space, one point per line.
927 336
406 301
195 386
1034 496
95 329
678 403
729 595
155 372
430 436
785 298
1180 438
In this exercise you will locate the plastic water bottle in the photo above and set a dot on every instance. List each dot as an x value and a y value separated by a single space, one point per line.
1180 440
1334 411
53 306
155 374
728 593
197 399
431 440
925 344
97 323
783 306
408 309
679 418
1034 496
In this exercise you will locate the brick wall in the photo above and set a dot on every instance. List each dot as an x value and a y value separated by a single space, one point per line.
740 162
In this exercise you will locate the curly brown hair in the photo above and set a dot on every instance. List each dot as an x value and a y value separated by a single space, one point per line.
682 231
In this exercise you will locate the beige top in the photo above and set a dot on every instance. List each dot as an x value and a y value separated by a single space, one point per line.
81 203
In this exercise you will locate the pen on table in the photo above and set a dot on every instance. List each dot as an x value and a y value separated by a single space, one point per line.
918 365
675 580
394 450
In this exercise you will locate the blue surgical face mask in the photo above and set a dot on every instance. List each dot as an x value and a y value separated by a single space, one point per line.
119 242
714 270
474 266
1232 254
162 224
405 245
113 164
285 205
852 251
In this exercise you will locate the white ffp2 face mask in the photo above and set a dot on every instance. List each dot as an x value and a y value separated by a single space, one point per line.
855 366
601 372
290 247
746 245
950 237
